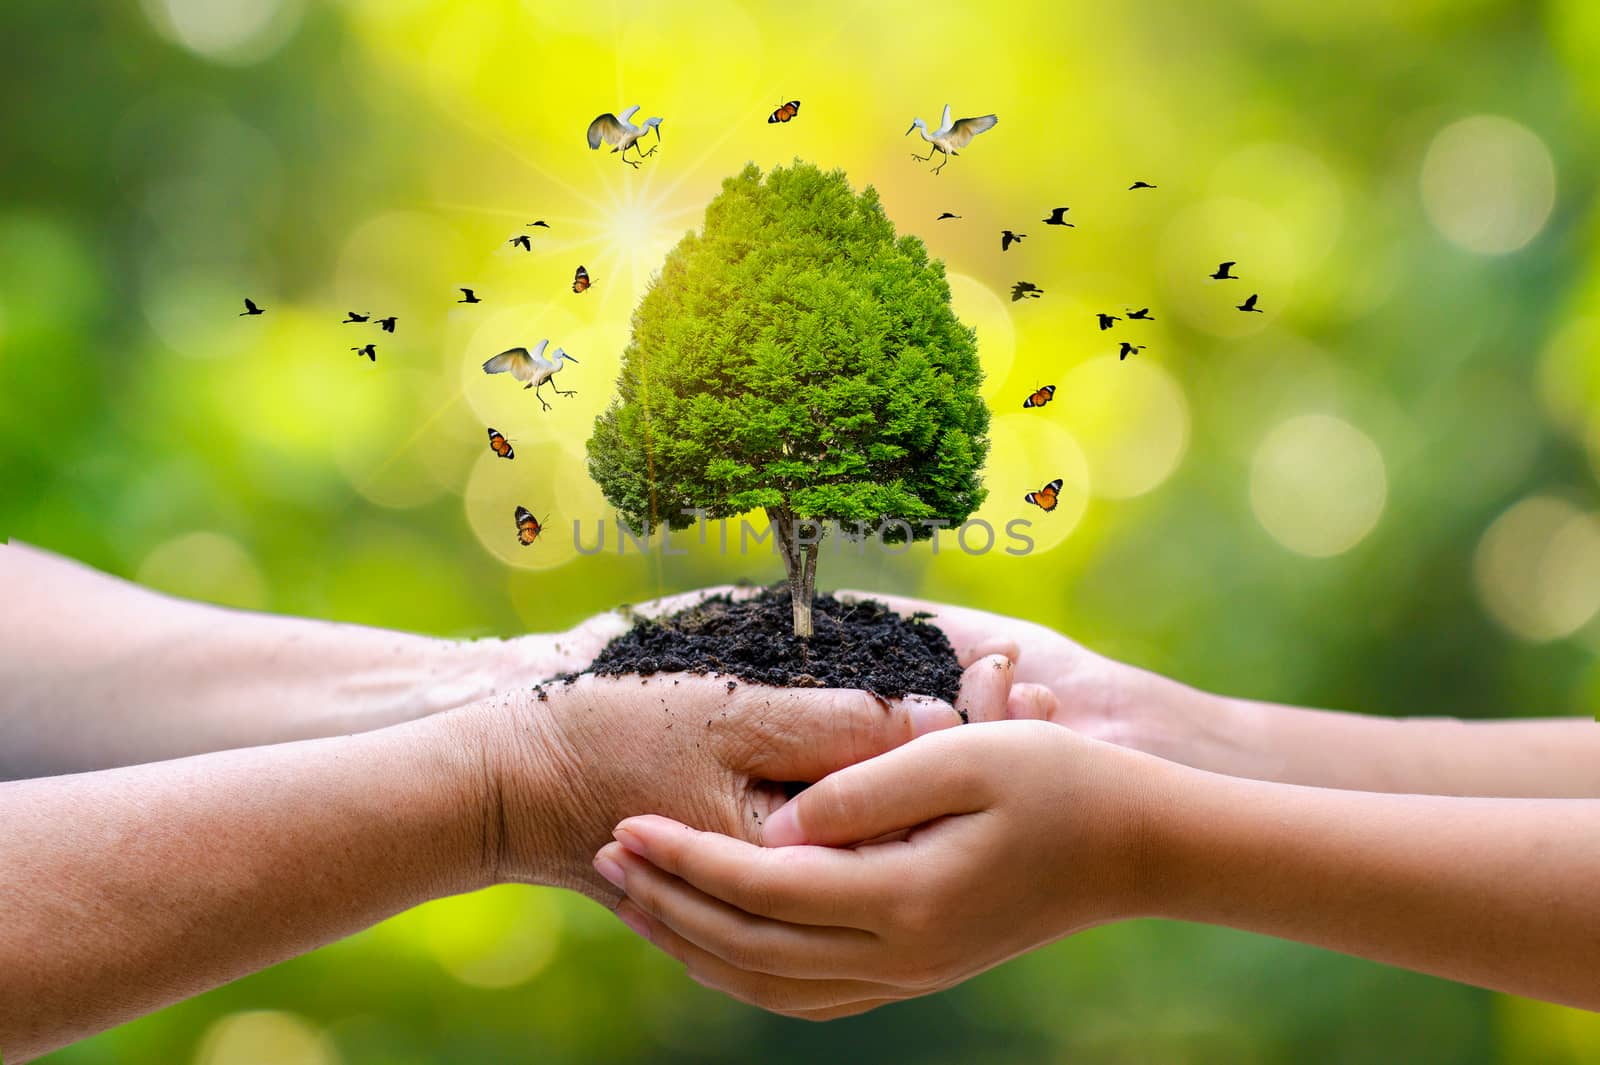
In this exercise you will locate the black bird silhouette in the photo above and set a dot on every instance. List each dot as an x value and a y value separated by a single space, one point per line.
1025 289
370 351
1142 314
1106 320
541 223
354 317
251 308
1222 271
1008 238
387 324
947 214
1130 349
1249 305
1140 185
468 296
521 240
1058 217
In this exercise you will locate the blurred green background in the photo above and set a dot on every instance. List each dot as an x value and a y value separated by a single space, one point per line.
1379 495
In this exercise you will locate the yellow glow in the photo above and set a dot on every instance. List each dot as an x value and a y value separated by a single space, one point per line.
1025 452
1131 418
979 306
498 938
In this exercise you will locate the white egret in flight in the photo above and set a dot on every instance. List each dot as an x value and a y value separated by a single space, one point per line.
531 367
949 138
621 134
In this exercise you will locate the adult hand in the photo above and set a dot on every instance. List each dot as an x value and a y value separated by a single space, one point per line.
566 763
1019 833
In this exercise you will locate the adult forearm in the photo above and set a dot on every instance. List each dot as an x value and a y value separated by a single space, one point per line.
1544 758
96 672
1494 892
124 890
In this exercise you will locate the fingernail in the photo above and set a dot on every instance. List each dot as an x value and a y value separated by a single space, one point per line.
930 715
607 867
633 919
631 840
782 828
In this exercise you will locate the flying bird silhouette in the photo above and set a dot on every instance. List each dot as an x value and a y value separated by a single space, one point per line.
251 308
947 214
354 317
369 350
1249 305
950 137
1140 185
1106 320
541 223
1008 238
1025 289
531 367
1222 271
621 134
468 296
1058 217
387 324
1130 349
1142 314
521 241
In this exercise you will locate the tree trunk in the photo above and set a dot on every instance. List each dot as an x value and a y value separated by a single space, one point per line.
800 566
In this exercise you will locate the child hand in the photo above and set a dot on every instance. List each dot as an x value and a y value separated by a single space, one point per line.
993 839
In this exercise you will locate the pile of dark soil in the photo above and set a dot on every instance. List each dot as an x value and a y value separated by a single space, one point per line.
854 645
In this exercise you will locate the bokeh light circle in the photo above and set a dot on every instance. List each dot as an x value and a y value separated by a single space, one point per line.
1488 184
1318 485
1131 419
551 479
1025 452
257 1037
387 429
1296 186
237 32
1537 568
207 566
980 307
491 939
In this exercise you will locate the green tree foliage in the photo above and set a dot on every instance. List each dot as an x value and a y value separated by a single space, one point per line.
796 357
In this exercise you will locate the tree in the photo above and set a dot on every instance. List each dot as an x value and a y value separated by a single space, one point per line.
796 357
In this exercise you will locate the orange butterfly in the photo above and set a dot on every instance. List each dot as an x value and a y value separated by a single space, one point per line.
1045 498
500 445
1041 397
785 113
580 280
528 527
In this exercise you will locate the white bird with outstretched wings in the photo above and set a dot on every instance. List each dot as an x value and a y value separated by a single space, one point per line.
951 137
620 132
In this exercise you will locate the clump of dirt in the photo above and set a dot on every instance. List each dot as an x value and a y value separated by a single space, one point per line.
854 645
